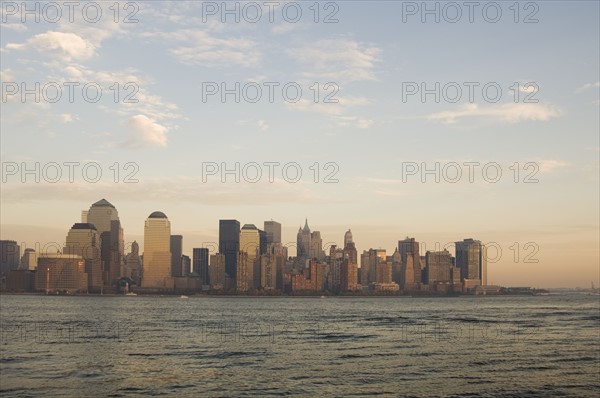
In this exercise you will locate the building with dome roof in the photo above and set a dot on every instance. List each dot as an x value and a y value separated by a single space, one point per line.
157 252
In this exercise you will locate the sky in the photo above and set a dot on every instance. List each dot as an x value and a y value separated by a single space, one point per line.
377 139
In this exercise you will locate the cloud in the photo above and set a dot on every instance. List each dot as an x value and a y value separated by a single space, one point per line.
588 86
73 72
511 113
67 118
263 125
354 121
69 46
334 108
149 132
549 165
339 60
17 27
6 75
204 49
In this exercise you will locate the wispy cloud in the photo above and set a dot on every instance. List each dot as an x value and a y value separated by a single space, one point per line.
588 86
549 165
337 60
199 47
66 46
510 113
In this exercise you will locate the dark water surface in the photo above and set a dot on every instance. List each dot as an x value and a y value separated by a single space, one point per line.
210 346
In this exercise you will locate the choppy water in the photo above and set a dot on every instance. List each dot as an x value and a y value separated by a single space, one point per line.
140 346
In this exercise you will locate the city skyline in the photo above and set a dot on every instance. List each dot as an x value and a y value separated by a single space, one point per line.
291 244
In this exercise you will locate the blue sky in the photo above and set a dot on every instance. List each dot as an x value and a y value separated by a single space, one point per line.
171 51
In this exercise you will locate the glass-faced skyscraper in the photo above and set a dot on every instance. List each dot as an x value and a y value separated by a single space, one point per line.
229 244
10 255
157 252
200 264
176 255
471 258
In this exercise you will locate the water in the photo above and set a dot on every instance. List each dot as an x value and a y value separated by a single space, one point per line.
217 346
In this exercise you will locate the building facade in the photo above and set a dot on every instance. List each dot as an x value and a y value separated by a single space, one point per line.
157 252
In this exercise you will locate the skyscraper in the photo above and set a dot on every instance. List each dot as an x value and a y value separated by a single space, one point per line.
274 243
216 271
303 243
369 261
438 267
186 265
262 237
229 245
10 255
273 232
83 240
133 264
409 247
471 258
176 253
200 264
316 246
104 216
157 253
250 244
28 260
348 238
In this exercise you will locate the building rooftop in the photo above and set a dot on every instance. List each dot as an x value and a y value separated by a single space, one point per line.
103 203
157 214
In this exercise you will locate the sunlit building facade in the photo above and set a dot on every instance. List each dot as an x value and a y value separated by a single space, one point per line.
157 253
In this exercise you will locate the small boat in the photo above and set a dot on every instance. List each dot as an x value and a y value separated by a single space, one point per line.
131 294
183 296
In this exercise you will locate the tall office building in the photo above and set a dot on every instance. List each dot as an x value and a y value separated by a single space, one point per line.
409 247
268 271
369 260
471 258
245 277
200 264
316 246
186 265
348 238
334 276
262 248
133 264
383 272
216 271
10 256
274 243
157 252
28 260
303 244
250 244
83 240
348 275
176 248
438 267
229 245
104 216
272 231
